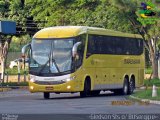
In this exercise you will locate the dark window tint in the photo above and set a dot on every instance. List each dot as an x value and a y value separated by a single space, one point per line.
98 44
91 45
80 49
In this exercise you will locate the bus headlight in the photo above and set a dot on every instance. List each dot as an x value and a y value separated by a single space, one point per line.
69 79
31 87
32 80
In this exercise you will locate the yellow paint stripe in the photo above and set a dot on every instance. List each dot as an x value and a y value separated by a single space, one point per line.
143 15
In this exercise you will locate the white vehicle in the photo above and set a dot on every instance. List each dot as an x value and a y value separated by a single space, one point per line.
14 63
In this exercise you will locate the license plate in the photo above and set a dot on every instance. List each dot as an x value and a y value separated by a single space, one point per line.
49 88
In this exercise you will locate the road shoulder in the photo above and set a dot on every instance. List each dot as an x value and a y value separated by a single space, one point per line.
145 100
5 89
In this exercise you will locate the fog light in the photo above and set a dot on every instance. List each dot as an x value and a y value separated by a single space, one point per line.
31 87
68 79
68 87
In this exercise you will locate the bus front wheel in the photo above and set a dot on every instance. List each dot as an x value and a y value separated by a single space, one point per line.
46 95
86 90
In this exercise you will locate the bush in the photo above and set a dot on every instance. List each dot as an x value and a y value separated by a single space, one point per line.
14 71
146 94
148 70
152 82
15 84
18 42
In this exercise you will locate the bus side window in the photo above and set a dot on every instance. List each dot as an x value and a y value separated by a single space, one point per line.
90 46
80 50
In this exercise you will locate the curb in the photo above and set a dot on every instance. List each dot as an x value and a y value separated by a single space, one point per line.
144 88
146 100
13 87
19 87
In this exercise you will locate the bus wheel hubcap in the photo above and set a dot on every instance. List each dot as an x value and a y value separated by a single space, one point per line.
125 89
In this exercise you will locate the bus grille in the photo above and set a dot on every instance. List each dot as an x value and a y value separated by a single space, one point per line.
49 82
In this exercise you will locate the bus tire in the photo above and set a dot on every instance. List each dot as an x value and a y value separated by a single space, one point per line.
125 89
95 92
86 89
131 85
46 95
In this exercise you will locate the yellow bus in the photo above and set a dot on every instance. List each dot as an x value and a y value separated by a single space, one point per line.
69 59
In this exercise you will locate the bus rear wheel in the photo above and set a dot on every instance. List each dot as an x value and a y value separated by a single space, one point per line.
131 85
46 95
124 90
86 90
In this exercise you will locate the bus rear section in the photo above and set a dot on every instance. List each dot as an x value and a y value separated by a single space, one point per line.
117 62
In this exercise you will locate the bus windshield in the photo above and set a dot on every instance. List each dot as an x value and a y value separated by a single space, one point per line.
51 56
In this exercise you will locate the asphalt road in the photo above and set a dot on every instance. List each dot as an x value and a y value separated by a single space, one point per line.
23 102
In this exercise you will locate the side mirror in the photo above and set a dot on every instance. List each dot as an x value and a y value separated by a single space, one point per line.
74 49
24 49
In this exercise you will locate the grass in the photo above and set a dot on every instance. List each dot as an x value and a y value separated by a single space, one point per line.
148 70
10 84
147 94
152 82
14 71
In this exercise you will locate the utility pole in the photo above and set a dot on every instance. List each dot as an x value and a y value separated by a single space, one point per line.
158 57
18 62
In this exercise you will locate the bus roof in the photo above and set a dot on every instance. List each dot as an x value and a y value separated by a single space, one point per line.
72 31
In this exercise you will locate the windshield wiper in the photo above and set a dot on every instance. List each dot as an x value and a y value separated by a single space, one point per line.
44 65
53 60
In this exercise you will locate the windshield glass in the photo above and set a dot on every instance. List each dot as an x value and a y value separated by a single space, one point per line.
51 56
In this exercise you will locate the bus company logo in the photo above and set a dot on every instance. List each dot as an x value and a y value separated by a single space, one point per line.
147 13
131 61
147 10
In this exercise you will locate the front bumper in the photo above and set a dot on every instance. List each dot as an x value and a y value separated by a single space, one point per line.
65 87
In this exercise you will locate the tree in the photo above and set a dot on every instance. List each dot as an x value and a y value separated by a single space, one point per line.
4 46
33 15
149 31
96 13
4 7
20 11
